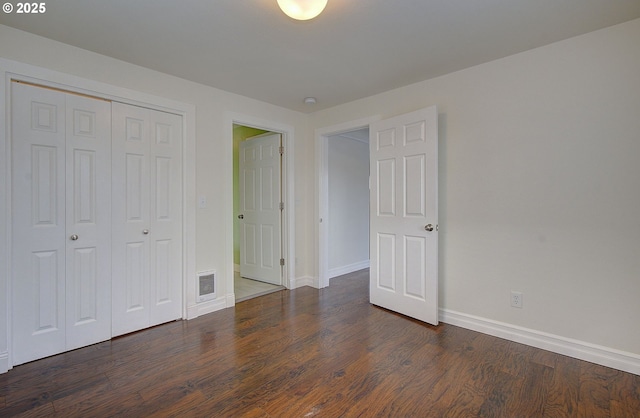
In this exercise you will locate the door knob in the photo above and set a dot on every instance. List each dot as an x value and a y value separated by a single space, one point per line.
145 231
428 227
74 237
240 216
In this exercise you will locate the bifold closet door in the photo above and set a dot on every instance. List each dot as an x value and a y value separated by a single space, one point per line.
61 221
147 218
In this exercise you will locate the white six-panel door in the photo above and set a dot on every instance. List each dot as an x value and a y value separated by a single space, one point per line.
260 227
147 215
61 221
88 208
404 214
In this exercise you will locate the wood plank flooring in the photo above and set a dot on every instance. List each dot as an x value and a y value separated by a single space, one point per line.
309 352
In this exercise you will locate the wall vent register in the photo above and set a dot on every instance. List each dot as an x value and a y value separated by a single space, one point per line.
206 285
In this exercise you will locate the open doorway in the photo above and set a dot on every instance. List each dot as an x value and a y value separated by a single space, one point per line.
257 208
343 200
348 202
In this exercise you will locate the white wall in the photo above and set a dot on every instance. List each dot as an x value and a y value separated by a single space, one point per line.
348 178
539 174
212 251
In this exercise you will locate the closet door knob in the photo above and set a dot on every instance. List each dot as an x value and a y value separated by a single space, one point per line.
145 231
240 216
74 237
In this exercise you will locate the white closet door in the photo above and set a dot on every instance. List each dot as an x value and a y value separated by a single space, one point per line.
88 213
38 222
166 217
60 189
147 213
130 186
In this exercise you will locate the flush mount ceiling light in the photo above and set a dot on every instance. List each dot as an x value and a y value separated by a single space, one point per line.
302 9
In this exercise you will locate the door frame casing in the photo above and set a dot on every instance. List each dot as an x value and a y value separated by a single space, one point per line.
13 70
288 196
322 192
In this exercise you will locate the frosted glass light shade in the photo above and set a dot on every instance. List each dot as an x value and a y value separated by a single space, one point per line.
302 9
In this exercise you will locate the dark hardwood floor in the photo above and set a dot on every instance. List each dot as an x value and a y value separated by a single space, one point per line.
308 352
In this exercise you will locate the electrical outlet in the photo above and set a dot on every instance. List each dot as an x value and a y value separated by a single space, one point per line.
516 299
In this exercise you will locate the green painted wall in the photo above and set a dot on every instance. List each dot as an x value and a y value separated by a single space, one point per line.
240 133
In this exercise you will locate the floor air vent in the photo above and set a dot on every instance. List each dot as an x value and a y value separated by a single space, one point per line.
206 285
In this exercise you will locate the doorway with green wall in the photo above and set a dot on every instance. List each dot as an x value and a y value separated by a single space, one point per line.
243 288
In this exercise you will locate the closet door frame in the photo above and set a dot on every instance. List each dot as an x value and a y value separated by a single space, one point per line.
12 70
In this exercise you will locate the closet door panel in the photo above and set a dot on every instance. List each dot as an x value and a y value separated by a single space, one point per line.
131 222
166 215
147 217
88 221
38 222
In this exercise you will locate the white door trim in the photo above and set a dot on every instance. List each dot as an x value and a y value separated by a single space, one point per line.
322 188
12 70
288 196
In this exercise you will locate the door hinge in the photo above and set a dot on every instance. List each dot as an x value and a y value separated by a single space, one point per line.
282 261
281 149
281 205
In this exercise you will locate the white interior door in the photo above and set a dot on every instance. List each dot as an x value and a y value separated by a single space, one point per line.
88 213
130 218
61 221
147 216
404 214
38 222
165 234
260 208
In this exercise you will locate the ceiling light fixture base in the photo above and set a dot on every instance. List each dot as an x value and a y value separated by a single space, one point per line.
302 9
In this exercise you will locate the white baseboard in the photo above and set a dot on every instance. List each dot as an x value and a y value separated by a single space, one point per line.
4 362
303 281
204 308
339 271
605 356
231 300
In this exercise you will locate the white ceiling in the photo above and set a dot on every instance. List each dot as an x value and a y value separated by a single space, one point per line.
356 48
